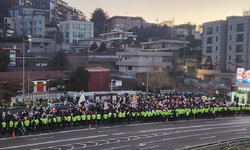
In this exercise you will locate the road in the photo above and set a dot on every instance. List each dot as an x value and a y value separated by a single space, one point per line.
136 136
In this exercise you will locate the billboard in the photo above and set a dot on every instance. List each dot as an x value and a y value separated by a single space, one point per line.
242 75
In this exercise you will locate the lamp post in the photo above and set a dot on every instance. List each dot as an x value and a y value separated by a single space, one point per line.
29 39
147 76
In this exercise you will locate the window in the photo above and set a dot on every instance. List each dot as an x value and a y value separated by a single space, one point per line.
208 58
239 59
145 58
230 37
74 41
217 28
230 47
216 48
81 34
82 27
67 26
74 34
129 67
239 48
128 20
61 27
123 20
117 20
117 25
89 35
67 41
239 38
209 49
38 30
20 24
231 27
89 28
240 27
216 38
210 30
28 24
74 26
229 57
67 35
209 40
38 23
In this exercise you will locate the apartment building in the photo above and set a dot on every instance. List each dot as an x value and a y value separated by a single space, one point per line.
153 55
214 44
75 29
124 22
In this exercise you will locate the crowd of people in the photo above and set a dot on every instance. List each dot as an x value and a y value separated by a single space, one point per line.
124 109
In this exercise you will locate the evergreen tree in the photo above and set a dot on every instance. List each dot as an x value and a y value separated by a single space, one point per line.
4 61
103 47
93 47
99 17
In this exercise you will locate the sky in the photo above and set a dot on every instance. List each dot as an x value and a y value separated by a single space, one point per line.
183 11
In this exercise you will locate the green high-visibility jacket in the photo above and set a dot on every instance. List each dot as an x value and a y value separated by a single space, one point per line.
58 119
69 118
88 117
49 120
4 124
115 114
93 116
83 117
15 124
138 114
98 116
26 123
120 115
78 118
133 114
37 122
54 120
74 119
123 115
105 116
45 121
11 124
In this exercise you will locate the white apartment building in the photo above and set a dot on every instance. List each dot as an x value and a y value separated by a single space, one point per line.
74 29
238 31
214 44
153 55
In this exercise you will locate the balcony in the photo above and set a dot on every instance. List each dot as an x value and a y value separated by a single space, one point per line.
239 50
208 51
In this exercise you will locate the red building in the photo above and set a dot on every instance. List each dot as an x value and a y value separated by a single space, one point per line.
98 79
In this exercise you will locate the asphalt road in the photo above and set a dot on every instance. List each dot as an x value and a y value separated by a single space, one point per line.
135 136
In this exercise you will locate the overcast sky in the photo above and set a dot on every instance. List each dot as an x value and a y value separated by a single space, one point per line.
195 11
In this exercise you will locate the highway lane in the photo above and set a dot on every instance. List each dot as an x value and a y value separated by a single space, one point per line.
137 136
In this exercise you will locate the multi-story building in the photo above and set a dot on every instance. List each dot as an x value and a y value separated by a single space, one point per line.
28 25
74 29
225 47
214 44
183 30
16 11
153 55
124 22
117 36
12 53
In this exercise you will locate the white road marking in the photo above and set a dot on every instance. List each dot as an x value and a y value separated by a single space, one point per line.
143 124
49 142
149 147
211 121
196 126
207 137
243 133
105 127
118 133
117 147
61 132
107 130
41 138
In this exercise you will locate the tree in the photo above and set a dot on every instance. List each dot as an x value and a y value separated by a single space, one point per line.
5 4
99 17
79 80
60 61
4 61
93 47
103 47
157 80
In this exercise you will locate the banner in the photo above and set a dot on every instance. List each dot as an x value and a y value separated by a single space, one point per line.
82 98
134 101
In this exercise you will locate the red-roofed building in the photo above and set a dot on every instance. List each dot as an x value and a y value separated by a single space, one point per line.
98 79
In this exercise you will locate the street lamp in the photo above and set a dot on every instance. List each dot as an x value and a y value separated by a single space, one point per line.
147 76
29 40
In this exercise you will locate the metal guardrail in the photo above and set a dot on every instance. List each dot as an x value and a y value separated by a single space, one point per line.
219 144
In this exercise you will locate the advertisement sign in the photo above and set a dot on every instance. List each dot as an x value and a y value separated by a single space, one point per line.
134 101
242 75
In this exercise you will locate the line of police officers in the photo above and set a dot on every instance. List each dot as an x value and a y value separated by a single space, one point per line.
80 118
